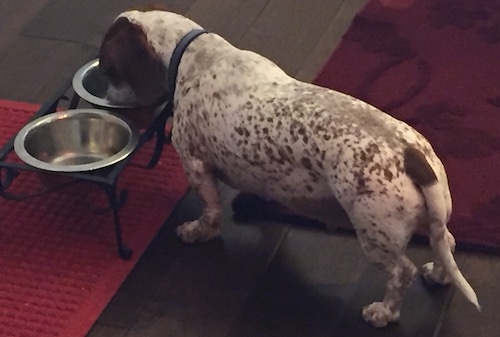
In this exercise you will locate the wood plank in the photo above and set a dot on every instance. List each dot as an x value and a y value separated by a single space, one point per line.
148 274
205 290
306 288
329 39
37 68
228 18
286 32
317 286
14 19
422 308
106 331
461 318
192 290
86 21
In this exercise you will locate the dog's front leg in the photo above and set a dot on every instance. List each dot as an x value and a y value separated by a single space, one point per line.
208 225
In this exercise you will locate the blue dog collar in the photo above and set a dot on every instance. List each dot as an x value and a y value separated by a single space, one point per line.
176 57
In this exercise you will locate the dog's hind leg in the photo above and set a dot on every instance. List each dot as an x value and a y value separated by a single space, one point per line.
208 225
386 249
433 272
401 273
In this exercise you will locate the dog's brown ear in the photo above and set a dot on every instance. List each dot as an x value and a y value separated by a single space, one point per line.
118 25
117 42
127 56
120 28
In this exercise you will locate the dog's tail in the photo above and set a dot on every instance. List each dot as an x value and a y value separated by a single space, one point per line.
418 169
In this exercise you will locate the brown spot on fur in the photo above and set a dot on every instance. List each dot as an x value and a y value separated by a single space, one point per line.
314 176
374 167
362 187
191 149
388 175
239 131
417 167
268 151
362 156
306 162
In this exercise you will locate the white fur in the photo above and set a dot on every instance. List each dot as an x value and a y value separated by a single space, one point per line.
123 94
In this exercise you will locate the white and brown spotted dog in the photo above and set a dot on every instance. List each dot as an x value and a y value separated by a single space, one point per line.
238 117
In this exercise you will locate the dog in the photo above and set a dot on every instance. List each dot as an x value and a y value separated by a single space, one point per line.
239 118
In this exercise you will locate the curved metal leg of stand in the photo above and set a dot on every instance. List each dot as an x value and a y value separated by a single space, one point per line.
124 251
6 180
74 101
160 142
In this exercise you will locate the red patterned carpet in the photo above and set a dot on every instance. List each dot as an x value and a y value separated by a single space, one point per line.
58 261
436 65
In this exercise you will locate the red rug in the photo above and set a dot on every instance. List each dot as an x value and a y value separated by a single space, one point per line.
436 65
58 259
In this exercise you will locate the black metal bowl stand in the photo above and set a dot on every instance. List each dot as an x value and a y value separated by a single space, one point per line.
105 178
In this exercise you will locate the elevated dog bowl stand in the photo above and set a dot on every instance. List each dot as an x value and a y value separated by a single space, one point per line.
106 178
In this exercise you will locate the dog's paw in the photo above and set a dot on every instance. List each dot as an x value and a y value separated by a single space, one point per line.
379 314
193 231
434 276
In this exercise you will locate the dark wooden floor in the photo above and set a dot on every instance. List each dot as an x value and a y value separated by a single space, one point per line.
259 279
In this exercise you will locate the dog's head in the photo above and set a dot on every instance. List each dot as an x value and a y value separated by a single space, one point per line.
135 53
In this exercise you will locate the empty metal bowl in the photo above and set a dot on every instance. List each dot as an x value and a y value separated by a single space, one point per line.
76 140
92 86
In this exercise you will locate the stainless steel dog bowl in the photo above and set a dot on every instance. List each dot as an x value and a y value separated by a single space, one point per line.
92 86
76 140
